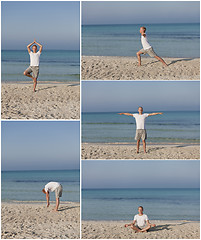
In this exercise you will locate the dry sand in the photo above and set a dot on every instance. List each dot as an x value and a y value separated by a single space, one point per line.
32 220
128 151
125 68
163 230
51 101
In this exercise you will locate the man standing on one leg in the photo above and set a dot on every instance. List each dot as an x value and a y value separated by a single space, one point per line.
140 125
53 187
141 222
34 62
147 48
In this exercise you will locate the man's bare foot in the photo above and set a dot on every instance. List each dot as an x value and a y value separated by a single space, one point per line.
55 210
139 65
145 151
137 152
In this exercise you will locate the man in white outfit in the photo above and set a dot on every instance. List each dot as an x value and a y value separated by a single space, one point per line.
53 187
141 222
147 48
140 126
34 62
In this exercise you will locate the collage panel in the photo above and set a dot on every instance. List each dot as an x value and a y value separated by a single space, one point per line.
40 70
40 180
114 116
140 199
140 40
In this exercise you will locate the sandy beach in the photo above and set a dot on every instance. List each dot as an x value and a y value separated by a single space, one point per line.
50 101
35 220
125 68
128 151
163 230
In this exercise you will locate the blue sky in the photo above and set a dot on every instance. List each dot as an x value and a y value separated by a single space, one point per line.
153 96
54 24
140 174
139 12
40 145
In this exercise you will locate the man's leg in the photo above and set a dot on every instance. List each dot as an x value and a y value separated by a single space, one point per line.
57 204
160 59
146 228
144 145
35 83
139 58
27 74
136 229
138 146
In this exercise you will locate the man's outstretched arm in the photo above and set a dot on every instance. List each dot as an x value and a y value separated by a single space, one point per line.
153 114
127 114
28 46
40 45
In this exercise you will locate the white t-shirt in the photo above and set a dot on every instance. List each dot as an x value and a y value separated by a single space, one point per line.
34 59
141 220
140 120
145 43
51 186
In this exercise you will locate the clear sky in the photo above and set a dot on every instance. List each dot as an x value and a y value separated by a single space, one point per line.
139 12
40 145
140 174
54 24
118 96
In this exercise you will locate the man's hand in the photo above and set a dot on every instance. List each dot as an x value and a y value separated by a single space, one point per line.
120 113
126 225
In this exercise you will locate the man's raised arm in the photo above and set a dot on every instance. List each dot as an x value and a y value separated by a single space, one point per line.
127 114
153 114
28 46
40 45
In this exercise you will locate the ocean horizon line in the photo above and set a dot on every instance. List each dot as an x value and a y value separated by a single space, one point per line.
175 188
100 24
76 169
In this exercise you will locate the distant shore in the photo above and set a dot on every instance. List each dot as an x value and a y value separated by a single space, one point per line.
160 151
163 230
126 68
33 220
50 101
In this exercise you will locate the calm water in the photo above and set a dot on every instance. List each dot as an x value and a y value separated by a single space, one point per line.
172 127
159 204
27 185
55 65
168 40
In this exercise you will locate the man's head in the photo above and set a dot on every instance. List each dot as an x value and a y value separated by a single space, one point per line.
43 190
140 110
142 30
140 210
34 48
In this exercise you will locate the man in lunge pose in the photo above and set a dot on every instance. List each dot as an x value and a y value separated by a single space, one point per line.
140 126
34 62
147 48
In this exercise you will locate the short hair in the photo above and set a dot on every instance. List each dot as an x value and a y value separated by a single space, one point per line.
141 207
34 46
140 107
144 29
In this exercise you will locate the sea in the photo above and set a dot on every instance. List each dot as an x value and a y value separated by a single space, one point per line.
28 185
55 65
168 40
159 204
171 127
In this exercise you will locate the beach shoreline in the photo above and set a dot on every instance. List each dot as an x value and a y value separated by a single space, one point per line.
35 221
50 101
165 229
113 151
125 68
